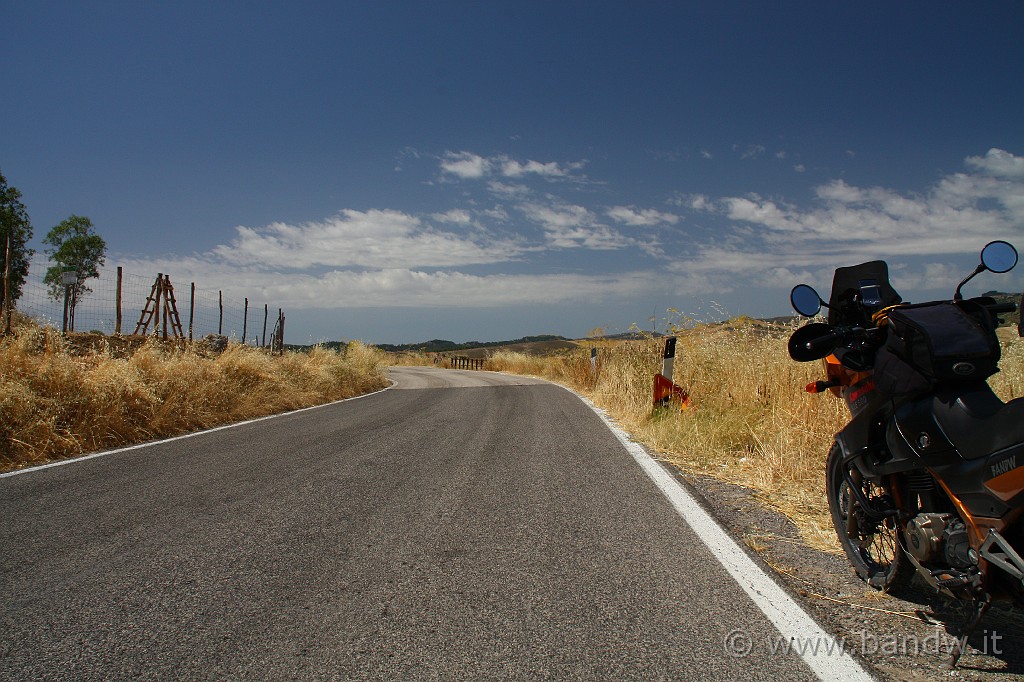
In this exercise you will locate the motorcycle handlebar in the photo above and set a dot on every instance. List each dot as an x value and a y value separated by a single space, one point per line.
836 338
825 341
1000 308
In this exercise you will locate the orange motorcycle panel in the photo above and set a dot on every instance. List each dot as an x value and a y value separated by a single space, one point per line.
978 527
1008 485
836 373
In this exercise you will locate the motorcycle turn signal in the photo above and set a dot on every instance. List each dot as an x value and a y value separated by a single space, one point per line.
820 386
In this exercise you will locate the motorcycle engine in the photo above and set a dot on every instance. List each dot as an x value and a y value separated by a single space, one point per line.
958 545
939 537
925 534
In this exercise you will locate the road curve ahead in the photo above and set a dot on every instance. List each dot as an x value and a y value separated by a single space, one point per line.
462 526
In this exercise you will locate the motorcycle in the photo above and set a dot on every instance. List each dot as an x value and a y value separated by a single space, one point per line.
927 477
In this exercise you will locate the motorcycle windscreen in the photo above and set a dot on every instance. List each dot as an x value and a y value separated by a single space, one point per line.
846 284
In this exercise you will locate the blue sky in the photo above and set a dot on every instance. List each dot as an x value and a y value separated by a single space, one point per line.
400 171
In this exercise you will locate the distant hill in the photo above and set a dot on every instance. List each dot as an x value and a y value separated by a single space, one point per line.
445 346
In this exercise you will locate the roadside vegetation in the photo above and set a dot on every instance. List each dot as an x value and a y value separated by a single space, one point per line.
63 396
750 421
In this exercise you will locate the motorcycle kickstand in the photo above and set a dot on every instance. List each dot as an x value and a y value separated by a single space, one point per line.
981 605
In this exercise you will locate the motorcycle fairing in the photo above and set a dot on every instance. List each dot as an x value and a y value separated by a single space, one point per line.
1010 485
863 432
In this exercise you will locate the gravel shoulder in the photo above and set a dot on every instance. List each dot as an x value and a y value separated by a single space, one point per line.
903 636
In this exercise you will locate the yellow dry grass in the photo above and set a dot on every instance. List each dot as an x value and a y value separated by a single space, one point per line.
56 403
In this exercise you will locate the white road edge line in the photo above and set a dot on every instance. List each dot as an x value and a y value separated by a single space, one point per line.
819 649
149 444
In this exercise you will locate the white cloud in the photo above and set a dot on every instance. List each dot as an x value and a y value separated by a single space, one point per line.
571 226
400 287
926 276
960 213
753 151
404 287
507 190
465 165
498 214
698 202
511 168
755 210
634 217
999 163
456 216
383 258
375 238
470 166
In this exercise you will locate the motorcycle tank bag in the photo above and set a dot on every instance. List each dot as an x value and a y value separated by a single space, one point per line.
936 344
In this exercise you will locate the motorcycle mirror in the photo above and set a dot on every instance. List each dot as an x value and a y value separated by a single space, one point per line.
805 300
801 337
999 256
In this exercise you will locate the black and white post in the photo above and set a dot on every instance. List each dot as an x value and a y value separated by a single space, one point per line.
668 358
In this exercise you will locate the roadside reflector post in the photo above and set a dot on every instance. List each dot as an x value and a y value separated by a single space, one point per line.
668 358
665 391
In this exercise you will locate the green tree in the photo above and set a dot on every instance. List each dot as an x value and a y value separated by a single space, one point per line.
14 223
74 244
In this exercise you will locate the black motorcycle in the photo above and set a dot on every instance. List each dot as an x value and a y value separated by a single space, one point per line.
928 475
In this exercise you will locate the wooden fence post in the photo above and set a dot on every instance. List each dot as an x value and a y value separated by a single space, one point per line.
280 330
156 302
245 321
117 301
167 302
7 285
266 311
191 308
220 323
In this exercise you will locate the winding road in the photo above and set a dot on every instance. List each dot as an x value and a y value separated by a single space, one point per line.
461 525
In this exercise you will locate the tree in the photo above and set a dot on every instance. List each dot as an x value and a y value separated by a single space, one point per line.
74 245
15 231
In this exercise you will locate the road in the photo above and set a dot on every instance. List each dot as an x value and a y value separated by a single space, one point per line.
458 526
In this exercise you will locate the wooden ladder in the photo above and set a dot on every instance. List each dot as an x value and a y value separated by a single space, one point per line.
161 299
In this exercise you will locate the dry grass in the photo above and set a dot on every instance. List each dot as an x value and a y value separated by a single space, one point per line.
56 403
413 359
751 421
1009 382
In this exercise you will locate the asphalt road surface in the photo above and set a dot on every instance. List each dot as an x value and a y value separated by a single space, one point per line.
459 526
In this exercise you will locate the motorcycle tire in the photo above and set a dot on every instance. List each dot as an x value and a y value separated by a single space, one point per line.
873 548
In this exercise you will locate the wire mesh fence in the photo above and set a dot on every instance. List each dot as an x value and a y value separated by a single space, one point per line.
201 311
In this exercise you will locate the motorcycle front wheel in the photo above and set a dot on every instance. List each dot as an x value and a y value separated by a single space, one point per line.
873 547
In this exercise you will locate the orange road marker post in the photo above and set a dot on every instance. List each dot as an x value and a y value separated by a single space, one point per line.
665 391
